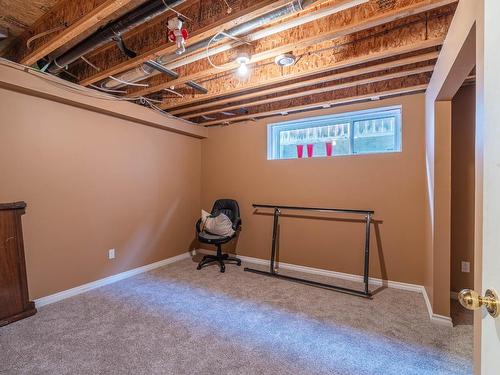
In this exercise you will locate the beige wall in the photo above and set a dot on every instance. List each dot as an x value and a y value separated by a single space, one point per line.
462 192
235 165
16 77
455 62
94 182
442 209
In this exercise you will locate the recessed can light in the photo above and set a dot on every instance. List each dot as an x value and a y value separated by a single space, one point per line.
285 59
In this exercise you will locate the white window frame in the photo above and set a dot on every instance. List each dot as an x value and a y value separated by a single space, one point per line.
274 129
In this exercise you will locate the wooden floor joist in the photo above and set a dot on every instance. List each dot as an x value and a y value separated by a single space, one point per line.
369 23
305 83
232 20
320 105
319 90
67 35
368 58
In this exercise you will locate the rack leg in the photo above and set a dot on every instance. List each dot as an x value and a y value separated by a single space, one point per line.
367 252
275 233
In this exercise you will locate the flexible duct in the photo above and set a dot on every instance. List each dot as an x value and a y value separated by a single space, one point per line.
116 28
143 71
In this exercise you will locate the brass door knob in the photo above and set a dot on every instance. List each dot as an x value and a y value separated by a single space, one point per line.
472 300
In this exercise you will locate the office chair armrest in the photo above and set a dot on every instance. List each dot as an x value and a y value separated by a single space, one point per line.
237 224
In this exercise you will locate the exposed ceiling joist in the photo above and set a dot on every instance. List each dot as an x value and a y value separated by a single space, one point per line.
321 59
319 90
309 82
67 35
231 20
363 59
262 27
377 20
343 50
319 105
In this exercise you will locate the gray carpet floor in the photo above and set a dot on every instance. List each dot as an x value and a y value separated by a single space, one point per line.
177 320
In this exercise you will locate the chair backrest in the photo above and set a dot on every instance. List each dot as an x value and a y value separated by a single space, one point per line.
228 207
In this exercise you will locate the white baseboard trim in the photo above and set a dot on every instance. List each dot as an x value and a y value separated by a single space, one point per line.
107 280
436 318
328 273
439 319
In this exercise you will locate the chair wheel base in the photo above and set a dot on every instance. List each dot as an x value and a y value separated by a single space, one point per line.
221 259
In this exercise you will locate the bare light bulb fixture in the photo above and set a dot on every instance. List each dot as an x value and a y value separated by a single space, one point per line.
242 71
243 59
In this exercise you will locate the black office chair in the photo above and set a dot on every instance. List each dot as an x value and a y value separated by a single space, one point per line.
230 208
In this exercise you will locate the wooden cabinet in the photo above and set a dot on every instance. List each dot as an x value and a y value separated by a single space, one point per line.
14 300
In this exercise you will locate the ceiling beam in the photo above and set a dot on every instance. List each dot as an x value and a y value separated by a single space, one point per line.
352 27
363 59
319 90
319 105
317 61
310 82
83 24
287 22
225 23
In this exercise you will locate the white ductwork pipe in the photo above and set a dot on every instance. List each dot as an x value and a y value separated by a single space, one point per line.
113 30
172 61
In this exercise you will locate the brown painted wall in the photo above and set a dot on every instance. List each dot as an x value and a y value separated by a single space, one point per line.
235 165
442 208
94 182
462 191
455 62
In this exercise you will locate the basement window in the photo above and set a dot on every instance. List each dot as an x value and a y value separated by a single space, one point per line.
361 132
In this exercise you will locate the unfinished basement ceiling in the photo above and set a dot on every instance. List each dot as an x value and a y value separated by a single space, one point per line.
17 16
344 50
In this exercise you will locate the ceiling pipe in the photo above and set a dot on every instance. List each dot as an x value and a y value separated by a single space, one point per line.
141 72
264 33
172 61
113 30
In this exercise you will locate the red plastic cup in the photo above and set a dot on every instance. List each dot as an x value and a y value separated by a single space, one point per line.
300 151
329 148
310 150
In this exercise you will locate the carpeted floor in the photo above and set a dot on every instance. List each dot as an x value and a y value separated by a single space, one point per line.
177 320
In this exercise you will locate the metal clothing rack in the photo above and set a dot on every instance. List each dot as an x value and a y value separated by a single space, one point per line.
273 272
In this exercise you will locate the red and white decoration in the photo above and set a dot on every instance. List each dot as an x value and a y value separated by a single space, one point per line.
177 34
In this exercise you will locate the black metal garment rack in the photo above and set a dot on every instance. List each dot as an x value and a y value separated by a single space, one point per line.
273 273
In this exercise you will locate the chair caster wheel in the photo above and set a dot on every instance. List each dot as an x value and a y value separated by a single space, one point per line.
239 263
223 269
198 268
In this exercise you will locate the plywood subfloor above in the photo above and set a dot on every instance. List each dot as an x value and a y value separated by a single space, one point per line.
17 16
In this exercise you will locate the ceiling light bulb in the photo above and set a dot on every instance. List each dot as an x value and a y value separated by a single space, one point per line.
243 59
242 71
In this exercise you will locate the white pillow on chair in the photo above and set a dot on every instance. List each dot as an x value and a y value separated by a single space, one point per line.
219 225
